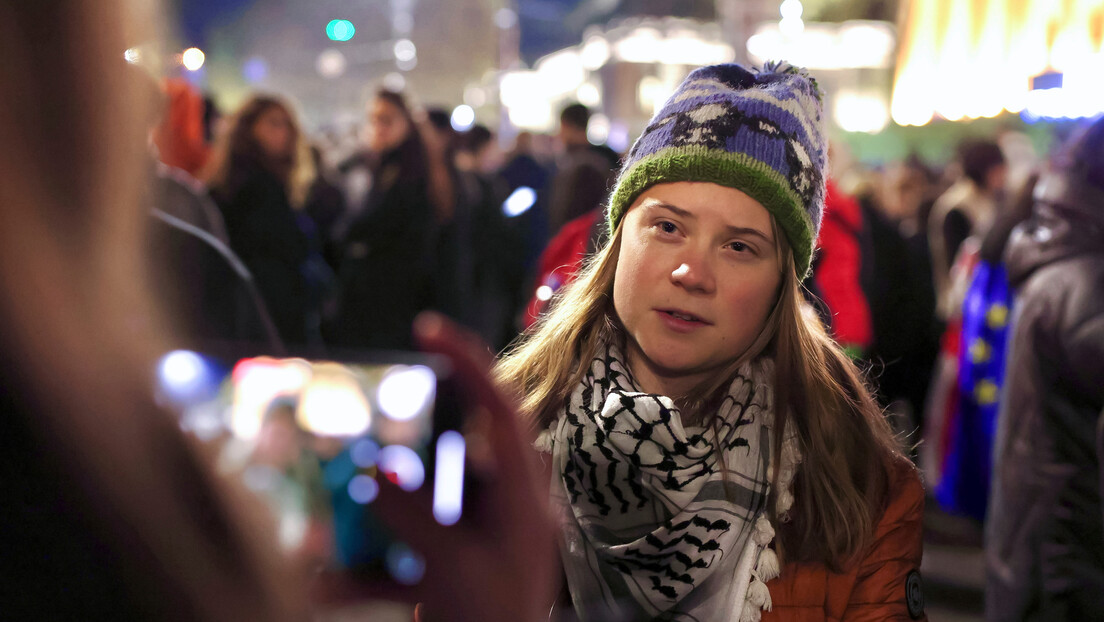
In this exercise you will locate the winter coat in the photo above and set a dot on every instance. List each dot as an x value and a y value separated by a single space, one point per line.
387 258
264 234
897 284
178 194
1045 533
562 259
837 268
209 294
883 585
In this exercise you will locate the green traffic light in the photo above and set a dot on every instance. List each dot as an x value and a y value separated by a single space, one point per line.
340 30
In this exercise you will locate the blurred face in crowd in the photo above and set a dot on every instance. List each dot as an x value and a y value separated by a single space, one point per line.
275 133
904 190
571 135
387 126
697 275
996 178
278 442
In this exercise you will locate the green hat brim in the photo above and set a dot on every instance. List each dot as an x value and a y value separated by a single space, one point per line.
734 170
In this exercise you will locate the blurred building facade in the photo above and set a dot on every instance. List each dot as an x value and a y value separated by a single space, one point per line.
429 48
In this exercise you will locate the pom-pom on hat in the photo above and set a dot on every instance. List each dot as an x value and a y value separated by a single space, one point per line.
758 131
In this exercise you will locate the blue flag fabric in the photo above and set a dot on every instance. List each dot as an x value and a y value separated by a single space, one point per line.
964 486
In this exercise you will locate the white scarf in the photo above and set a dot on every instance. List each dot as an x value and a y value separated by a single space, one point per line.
653 526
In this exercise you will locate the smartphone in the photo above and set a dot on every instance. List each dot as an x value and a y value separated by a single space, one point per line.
312 438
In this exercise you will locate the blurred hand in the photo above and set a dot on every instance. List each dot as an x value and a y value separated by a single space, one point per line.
499 561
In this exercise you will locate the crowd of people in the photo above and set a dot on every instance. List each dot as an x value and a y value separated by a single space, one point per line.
731 354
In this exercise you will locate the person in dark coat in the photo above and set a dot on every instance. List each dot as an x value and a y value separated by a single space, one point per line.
898 285
325 205
966 209
386 264
209 291
1045 535
580 164
256 176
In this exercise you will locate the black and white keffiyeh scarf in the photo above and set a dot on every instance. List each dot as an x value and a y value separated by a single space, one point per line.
653 526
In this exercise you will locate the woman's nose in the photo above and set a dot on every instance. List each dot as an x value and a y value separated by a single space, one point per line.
694 275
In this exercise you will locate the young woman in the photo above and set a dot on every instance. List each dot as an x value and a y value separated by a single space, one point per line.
715 455
386 263
259 171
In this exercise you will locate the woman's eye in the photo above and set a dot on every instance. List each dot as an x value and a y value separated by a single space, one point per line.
739 247
667 227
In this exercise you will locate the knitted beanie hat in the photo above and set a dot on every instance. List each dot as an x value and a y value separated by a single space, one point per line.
758 131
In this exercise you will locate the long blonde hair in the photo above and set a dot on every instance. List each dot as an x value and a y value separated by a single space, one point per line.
817 387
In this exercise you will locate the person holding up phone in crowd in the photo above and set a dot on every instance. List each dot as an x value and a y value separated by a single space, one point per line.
107 511
714 455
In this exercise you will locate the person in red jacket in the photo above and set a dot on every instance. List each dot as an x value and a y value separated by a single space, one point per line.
713 453
837 271
561 262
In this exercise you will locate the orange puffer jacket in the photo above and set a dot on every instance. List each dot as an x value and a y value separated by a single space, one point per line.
884 585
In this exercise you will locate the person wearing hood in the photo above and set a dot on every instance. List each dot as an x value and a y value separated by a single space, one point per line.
1045 534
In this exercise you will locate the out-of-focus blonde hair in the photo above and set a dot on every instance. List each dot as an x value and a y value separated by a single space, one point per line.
79 337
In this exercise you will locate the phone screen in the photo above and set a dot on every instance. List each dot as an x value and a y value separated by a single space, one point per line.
312 438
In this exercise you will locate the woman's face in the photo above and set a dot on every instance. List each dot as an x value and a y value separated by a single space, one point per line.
387 127
696 278
274 133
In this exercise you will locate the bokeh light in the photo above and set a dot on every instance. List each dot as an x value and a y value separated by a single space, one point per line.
589 95
331 64
340 30
193 59
406 566
334 405
182 375
791 9
475 96
394 81
405 391
363 489
364 453
405 50
463 117
505 18
598 129
519 201
255 70
403 466
448 484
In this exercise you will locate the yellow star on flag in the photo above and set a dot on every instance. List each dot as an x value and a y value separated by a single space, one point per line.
980 351
986 392
997 316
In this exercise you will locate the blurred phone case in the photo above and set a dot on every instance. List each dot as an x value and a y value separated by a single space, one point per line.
312 437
